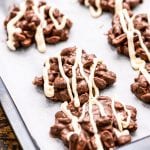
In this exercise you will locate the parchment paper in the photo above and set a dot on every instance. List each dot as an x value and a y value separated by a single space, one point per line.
19 68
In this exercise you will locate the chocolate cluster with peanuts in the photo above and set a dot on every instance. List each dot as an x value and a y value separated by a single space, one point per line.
97 6
130 34
118 38
107 124
36 22
65 76
141 86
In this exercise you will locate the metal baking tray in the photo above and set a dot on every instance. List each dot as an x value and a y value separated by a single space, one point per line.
29 112
18 125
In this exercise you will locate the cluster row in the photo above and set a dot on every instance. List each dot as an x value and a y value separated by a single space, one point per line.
130 34
87 121
37 22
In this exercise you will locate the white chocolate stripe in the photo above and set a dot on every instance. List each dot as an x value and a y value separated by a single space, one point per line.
74 80
148 18
118 119
130 20
126 123
81 67
11 29
56 24
48 89
78 61
91 77
74 120
118 6
130 35
83 112
101 108
98 12
137 63
94 13
145 73
86 2
120 133
64 76
39 35
142 44
42 16
98 142
93 100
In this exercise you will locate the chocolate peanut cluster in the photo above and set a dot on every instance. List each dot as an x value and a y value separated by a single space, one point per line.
118 38
109 5
141 87
25 27
113 129
86 121
55 78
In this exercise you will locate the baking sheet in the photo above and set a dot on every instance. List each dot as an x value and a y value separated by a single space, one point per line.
24 137
19 68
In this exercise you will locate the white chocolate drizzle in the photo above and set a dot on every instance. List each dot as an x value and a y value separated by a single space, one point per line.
118 6
145 73
88 106
48 89
75 124
98 142
119 118
119 134
11 29
98 11
74 80
148 18
126 123
73 84
56 24
93 101
86 2
83 112
129 30
64 76
39 35
122 125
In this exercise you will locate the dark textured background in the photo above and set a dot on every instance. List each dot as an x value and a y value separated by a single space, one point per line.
8 140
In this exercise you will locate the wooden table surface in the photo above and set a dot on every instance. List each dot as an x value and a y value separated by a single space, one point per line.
8 140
